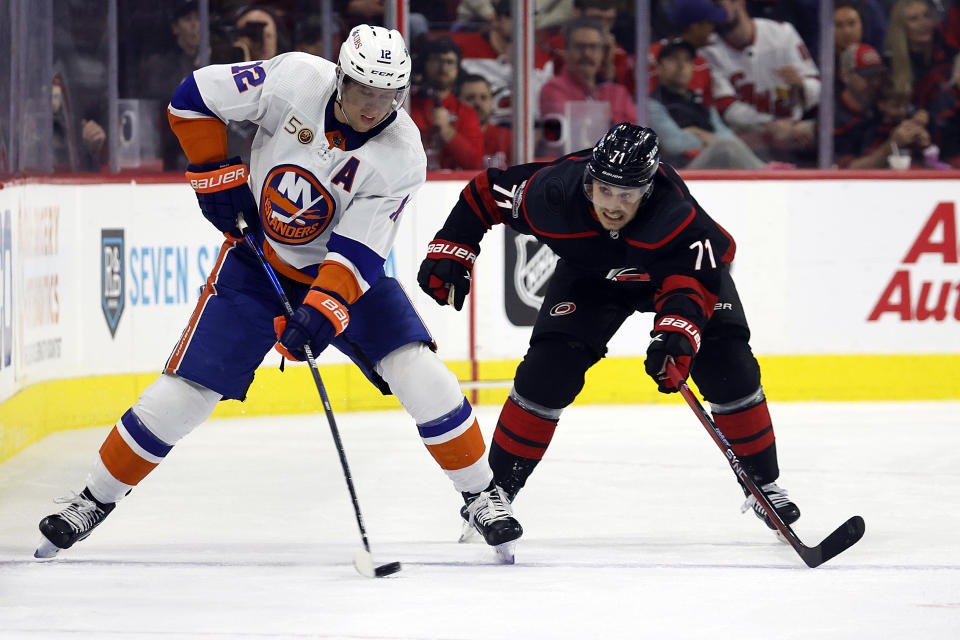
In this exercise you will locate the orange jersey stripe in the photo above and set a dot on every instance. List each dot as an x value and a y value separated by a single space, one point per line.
461 452
208 290
335 277
202 139
122 462
282 267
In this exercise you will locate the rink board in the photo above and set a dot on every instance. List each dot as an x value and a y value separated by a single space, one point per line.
851 287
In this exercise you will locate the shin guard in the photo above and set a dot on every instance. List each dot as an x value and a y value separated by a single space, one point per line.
166 411
455 442
522 436
747 426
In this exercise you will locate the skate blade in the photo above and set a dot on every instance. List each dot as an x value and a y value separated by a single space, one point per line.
505 551
468 533
46 550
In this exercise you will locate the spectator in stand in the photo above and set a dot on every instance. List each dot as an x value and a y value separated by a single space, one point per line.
497 141
162 72
875 128
618 66
488 53
945 108
450 130
584 41
472 15
856 118
802 15
898 114
309 35
847 30
80 54
258 33
920 58
856 21
765 84
692 135
66 157
693 21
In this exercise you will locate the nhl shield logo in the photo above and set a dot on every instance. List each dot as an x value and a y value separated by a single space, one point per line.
527 270
112 277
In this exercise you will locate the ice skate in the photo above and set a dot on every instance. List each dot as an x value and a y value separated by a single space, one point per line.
74 523
490 515
786 509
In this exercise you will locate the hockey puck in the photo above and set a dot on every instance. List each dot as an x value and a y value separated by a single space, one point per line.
387 569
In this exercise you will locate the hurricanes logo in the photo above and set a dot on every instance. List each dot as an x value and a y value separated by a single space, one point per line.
294 207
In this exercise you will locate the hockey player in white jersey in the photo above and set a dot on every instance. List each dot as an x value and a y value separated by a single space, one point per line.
334 162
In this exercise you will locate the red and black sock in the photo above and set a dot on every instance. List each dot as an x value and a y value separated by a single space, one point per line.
750 432
518 445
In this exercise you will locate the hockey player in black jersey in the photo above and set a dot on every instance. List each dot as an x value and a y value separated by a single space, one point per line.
630 237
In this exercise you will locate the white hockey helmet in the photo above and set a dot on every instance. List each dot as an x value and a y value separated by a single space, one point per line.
376 57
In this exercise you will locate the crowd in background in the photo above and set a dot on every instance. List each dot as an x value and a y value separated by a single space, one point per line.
732 83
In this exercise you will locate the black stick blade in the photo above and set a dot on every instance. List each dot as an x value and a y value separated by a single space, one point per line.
846 535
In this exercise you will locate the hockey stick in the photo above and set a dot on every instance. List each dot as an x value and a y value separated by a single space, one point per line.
844 537
362 559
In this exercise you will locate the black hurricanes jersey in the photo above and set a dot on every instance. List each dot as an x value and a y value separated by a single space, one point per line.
672 243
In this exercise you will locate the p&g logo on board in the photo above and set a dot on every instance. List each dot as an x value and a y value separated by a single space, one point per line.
294 207
112 277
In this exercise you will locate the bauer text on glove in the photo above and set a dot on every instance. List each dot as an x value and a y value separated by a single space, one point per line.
445 273
223 193
322 316
676 340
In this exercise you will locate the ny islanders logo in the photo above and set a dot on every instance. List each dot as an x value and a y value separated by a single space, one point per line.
294 207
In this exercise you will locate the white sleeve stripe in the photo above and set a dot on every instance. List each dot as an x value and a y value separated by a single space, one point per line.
186 113
345 262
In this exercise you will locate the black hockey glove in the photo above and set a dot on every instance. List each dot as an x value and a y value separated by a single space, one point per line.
676 340
223 194
445 272
321 318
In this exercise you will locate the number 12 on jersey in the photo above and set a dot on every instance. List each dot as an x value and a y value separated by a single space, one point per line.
248 75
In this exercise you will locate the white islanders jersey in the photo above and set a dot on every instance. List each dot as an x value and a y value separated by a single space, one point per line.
326 192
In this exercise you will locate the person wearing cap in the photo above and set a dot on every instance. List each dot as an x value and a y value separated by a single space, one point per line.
765 84
692 135
693 21
872 119
583 50
860 72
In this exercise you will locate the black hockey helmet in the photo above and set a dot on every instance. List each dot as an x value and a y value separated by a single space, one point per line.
628 156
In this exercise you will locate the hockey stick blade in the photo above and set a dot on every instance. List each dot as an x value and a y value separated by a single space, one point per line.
363 562
844 537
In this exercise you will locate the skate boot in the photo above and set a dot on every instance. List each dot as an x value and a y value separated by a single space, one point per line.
489 513
786 509
74 523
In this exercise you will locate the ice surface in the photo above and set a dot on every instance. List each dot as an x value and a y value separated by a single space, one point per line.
632 530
